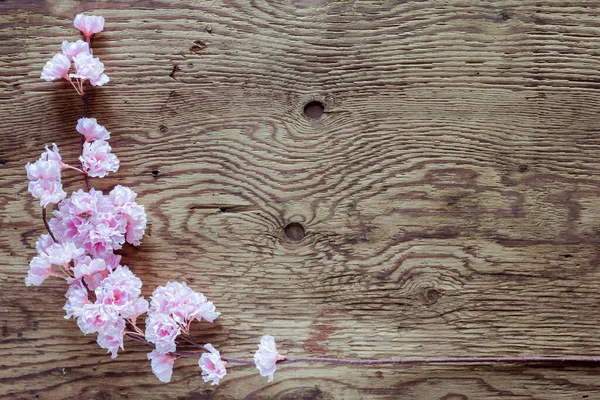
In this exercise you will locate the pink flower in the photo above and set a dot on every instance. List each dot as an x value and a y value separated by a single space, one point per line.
47 167
43 242
92 223
213 368
89 68
139 307
77 297
85 204
61 254
57 68
162 365
97 160
89 128
105 233
49 256
182 303
162 331
111 337
97 317
121 290
53 155
72 49
123 199
43 169
40 268
92 271
47 191
44 176
112 260
267 356
117 298
89 24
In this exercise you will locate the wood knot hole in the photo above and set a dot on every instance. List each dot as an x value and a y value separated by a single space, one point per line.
294 232
314 109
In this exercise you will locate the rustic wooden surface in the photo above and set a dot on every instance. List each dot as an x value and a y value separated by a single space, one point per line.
449 193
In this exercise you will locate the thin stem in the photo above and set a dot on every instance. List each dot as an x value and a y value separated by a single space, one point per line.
238 360
48 226
72 167
190 341
75 87
138 338
68 274
135 336
435 360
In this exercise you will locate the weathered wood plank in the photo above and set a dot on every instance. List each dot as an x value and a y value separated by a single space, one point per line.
449 192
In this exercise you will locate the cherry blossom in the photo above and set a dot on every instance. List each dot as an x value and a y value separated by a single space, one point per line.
267 356
50 257
182 303
111 338
92 221
57 68
89 24
213 368
40 268
140 306
123 199
162 365
45 179
120 289
90 128
77 296
89 68
47 191
92 271
96 317
162 331
97 160
72 49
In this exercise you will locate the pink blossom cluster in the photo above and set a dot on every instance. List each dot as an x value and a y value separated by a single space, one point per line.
89 227
117 296
173 308
104 296
76 63
98 223
44 177
96 157
115 290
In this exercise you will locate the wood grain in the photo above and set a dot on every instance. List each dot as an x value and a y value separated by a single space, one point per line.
449 193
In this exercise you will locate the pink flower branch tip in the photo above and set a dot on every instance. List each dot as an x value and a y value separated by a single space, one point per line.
266 357
213 367
89 25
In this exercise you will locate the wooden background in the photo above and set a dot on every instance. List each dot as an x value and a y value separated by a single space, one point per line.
449 193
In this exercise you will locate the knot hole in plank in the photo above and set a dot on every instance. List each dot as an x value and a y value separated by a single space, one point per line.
314 109
294 232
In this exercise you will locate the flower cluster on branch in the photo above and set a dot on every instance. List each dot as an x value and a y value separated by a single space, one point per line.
104 296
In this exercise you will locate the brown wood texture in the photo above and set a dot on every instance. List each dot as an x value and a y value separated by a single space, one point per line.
449 193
